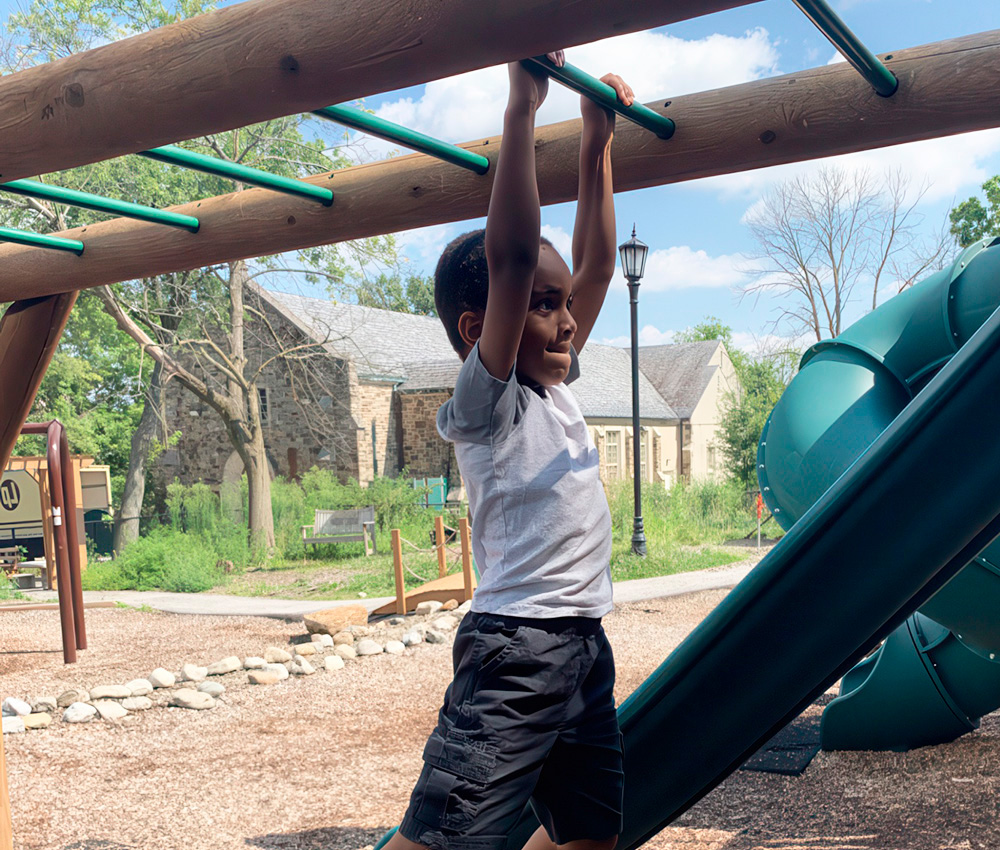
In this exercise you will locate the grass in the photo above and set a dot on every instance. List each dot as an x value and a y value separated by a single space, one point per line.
685 528
8 593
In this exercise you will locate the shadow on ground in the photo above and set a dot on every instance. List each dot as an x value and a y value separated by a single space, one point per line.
328 838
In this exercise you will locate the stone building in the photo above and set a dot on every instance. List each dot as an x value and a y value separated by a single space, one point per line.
363 401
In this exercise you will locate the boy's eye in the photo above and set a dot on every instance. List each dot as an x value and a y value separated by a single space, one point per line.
545 304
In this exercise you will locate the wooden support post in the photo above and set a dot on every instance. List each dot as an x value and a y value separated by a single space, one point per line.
6 829
945 88
29 333
439 542
259 60
397 563
463 531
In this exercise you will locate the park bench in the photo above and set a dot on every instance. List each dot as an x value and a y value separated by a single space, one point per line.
357 524
10 557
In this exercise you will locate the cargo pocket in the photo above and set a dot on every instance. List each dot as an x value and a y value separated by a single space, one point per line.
467 753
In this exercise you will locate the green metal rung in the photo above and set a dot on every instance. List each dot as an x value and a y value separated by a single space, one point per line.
40 240
253 176
97 203
864 61
391 132
581 82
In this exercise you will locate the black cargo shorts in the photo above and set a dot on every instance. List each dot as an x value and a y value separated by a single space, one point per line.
530 714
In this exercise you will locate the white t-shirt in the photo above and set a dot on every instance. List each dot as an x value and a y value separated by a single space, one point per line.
541 528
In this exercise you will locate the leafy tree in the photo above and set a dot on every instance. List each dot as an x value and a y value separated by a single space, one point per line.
971 220
391 292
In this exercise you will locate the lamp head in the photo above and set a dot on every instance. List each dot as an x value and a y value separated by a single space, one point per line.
633 254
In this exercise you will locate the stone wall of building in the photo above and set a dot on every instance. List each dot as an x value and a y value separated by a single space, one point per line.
308 421
374 404
424 453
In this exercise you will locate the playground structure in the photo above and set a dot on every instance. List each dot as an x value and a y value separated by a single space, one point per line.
705 710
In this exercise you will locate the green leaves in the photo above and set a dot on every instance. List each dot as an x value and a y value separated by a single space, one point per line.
971 220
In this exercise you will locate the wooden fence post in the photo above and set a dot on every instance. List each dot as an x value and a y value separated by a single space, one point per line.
439 542
463 530
6 830
397 563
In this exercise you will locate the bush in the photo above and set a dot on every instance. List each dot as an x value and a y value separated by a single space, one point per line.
165 559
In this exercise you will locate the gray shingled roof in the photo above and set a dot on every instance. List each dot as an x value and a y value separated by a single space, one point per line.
603 390
415 348
381 343
680 372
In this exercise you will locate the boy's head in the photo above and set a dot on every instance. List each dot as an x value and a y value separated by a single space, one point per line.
461 289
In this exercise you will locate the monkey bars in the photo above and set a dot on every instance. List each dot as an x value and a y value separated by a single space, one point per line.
173 155
375 126
40 240
582 83
97 203
864 61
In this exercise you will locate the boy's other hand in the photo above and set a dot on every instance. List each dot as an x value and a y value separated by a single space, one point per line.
528 84
596 118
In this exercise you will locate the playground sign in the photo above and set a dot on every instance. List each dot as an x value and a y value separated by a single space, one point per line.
20 508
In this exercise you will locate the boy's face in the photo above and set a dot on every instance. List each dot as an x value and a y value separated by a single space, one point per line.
543 357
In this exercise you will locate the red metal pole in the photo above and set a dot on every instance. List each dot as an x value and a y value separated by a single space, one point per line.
66 619
70 497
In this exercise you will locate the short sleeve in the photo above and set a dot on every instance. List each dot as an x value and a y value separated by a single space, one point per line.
483 408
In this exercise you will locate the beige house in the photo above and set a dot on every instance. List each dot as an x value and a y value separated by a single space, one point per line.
370 408
695 379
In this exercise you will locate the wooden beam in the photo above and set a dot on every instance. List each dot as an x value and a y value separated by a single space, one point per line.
945 88
29 333
267 58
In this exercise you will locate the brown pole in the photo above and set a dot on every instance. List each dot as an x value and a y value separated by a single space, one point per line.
945 88
29 333
6 828
463 530
71 520
439 543
262 59
397 563
63 580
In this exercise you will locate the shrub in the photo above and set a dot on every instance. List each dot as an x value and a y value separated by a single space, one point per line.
165 559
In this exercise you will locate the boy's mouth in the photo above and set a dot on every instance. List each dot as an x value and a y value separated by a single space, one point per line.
562 348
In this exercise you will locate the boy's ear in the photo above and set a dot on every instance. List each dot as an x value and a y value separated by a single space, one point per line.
470 327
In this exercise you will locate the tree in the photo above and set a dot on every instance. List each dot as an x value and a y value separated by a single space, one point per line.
415 294
191 318
972 221
828 241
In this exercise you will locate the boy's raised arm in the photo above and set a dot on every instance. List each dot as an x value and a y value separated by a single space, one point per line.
594 231
513 224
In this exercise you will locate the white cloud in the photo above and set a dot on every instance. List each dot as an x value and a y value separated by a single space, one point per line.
424 245
656 65
561 239
948 166
648 335
682 267
836 58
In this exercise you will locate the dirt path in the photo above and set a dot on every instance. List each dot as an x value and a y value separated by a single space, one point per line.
327 761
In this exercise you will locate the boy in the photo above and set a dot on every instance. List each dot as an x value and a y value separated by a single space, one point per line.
530 712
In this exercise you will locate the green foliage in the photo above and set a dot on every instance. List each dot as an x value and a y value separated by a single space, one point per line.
972 220
394 499
744 419
165 559
193 508
415 294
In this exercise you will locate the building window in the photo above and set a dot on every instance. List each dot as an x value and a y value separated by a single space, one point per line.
264 408
612 454
643 440
711 458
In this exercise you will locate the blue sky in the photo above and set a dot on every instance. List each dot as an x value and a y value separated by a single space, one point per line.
695 230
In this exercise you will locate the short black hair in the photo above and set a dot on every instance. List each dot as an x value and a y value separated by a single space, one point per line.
462 281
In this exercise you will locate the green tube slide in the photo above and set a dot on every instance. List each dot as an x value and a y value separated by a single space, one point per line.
937 674
904 513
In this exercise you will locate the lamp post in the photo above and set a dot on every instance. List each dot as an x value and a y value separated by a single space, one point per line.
633 254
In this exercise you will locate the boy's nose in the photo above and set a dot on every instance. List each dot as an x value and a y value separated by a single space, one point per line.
568 324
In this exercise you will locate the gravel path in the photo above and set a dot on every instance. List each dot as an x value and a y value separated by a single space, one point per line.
327 762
